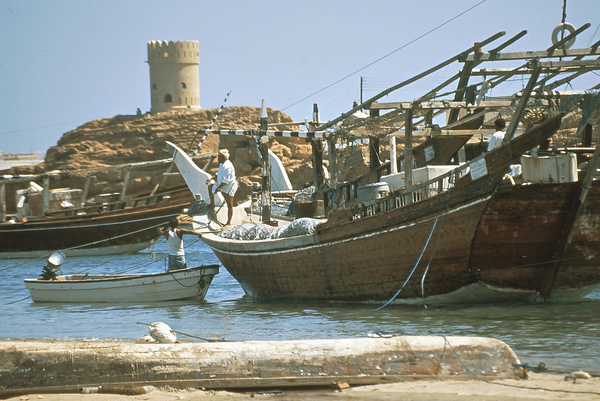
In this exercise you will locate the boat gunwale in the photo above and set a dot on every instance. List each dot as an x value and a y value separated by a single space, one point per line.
124 277
255 247
92 219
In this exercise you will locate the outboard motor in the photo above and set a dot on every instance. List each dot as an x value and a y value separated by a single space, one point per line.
52 266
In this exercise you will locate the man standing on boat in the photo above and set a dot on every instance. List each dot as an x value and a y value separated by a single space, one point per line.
498 136
225 182
175 250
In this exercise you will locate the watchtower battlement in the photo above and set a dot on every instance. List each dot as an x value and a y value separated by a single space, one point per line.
173 52
174 76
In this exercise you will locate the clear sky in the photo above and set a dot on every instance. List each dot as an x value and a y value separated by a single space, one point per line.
64 63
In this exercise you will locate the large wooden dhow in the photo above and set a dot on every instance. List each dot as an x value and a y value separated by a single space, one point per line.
110 224
110 232
468 235
370 252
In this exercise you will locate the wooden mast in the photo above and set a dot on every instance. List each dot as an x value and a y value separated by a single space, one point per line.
263 147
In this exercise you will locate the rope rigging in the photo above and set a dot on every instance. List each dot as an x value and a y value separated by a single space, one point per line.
446 201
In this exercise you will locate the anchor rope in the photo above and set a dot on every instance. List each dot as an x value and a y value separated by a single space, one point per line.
423 251
438 241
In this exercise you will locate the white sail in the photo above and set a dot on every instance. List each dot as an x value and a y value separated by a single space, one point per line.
280 181
194 176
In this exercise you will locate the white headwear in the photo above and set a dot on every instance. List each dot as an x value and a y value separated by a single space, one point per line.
224 152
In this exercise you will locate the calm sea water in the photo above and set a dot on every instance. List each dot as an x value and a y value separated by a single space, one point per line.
564 337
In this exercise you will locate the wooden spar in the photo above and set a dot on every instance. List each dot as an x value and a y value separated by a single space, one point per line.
408 151
564 40
567 233
551 52
317 160
125 182
547 68
543 81
569 78
465 74
503 45
46 194
265 132
436 105
317 155
263 148
434 91
86 187
2 202
386 92
554 53
475 59
459 95
84 172
516 117
163 178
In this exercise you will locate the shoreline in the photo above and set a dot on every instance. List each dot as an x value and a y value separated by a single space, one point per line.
539 386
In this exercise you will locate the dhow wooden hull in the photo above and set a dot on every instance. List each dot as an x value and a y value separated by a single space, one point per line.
124 230
481 237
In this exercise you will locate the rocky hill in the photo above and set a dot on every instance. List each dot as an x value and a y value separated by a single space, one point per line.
141 138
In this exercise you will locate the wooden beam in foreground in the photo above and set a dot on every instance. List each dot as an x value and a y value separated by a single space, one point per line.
227 365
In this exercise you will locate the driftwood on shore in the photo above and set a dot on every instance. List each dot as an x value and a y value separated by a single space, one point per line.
252 364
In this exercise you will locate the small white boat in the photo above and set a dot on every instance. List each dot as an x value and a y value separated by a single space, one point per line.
131 288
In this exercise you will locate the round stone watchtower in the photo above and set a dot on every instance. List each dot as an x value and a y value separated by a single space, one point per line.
174 76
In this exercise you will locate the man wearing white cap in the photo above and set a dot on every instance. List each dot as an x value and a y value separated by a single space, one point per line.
225 182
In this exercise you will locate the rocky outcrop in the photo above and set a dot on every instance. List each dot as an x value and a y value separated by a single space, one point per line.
140 138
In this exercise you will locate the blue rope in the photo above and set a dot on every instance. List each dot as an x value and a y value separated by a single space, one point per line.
420 257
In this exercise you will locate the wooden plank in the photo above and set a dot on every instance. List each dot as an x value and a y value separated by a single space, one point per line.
466 73
253 364
2 203
473 121
86 187
547 68
590 51
516 117
408 150
46 194
84 172
560 82
125 182
163 178
432 93
438 105
543 81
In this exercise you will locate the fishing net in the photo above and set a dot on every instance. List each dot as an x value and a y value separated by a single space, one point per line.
254 232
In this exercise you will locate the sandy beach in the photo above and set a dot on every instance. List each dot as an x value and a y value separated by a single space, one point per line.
541 386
